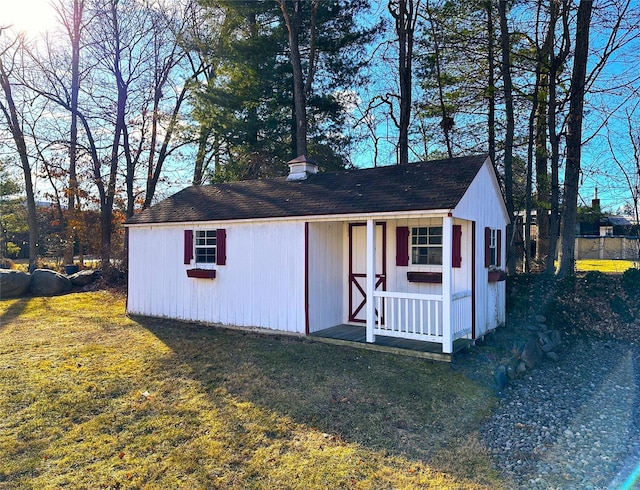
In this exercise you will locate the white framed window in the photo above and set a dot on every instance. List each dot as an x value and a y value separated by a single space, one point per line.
426 245
493 247
205 246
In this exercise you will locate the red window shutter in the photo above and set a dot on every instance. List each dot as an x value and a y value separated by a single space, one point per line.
487 247
221 246
188 246
402 246
456 246
498 248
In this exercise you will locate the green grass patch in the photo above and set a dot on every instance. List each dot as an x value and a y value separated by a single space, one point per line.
90 398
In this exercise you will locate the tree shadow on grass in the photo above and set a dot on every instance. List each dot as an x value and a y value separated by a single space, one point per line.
399 405
13 311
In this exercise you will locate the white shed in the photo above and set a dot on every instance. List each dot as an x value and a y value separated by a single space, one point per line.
411 252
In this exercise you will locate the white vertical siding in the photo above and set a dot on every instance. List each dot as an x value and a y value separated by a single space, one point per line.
326 280
483 204
261 285
462 274
151 276
263 281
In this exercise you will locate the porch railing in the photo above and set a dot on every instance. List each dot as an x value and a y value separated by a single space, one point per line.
460 314
419 316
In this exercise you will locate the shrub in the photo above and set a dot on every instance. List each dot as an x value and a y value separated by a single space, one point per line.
621 307
631 282
595 283
13 250
597 303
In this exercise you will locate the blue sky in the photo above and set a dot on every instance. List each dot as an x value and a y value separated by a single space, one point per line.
599 154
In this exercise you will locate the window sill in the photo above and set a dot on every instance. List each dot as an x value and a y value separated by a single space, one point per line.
201 273
425 277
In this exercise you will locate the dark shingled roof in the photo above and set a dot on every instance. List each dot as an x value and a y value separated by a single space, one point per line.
438 184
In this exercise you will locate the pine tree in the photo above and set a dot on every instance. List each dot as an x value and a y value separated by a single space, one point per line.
250 105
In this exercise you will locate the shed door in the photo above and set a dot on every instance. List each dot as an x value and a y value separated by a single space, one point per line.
358 267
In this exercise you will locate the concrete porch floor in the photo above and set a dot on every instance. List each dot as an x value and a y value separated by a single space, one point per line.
355 336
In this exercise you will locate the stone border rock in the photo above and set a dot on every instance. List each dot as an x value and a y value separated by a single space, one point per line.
13 284
42 282
542 344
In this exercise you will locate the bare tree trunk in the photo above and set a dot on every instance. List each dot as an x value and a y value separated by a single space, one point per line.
301 87
574 140
491 119
447 122
632 177
635 187
106 206
405 16
154 177
201 153
508 144
75 31
555 61
11 115
252 112
529 179
163 66
541 159
131 164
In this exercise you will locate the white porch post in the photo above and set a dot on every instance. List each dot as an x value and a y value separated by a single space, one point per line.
447 232
371 279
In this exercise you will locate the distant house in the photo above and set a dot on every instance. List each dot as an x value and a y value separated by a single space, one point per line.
411 252
602 236
606 225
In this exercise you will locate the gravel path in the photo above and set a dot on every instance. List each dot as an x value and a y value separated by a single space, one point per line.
573 424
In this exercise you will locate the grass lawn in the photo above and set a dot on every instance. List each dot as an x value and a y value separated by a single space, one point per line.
90 398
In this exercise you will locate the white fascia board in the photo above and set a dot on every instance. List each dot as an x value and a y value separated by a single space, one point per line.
308 218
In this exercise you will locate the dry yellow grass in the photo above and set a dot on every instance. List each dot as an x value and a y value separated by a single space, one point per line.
90 398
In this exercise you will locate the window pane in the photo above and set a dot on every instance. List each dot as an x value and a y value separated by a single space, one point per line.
205 246
206 255
493 236
426 246
435 235
435 255
419 255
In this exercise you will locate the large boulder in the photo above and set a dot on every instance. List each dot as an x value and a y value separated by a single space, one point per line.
13 283
84 278
45 282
